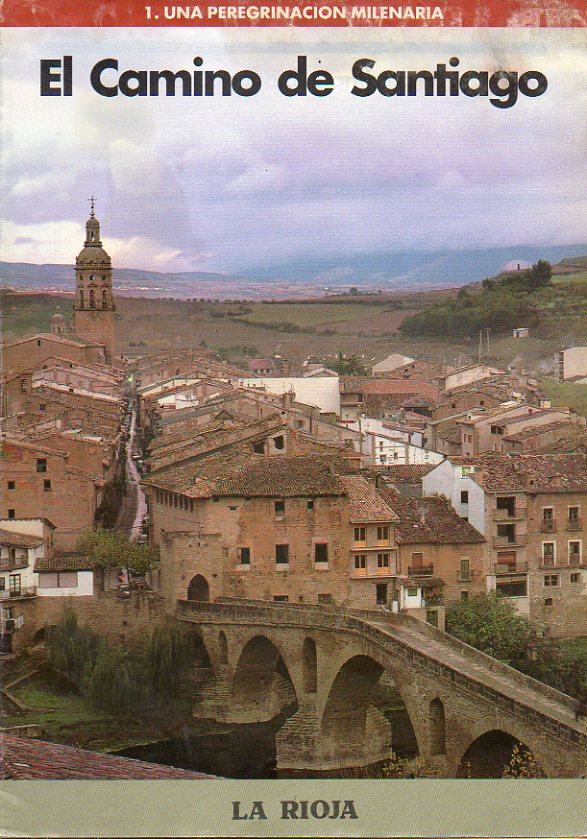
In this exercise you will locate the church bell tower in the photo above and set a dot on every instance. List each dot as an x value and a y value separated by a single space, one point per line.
94 309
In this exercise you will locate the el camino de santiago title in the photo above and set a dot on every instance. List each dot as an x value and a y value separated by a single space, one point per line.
108 79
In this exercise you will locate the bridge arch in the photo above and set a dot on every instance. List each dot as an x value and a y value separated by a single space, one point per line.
353 729
488 753
261 685
199 589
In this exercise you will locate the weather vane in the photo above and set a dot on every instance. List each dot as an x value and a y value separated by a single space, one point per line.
92 201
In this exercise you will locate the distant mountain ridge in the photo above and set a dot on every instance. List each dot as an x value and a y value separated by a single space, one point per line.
405 270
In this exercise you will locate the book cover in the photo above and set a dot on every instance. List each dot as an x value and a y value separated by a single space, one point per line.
293 418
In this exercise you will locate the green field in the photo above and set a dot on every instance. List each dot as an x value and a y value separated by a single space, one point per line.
569 394
309 314
66 717
579 277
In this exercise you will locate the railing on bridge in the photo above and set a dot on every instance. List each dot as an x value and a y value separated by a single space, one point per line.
234 610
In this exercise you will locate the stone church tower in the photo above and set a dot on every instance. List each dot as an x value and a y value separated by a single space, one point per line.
94 309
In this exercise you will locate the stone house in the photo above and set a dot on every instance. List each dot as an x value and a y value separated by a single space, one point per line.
39 482
530 508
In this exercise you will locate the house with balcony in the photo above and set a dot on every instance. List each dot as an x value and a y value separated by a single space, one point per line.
30 570
439 552
531 508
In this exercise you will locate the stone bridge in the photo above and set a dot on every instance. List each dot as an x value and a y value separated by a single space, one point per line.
335 673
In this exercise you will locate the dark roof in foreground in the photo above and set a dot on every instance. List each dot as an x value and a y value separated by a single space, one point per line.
22 758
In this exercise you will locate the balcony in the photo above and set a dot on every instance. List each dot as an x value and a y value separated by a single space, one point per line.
574 524
23 591
420 570
502 569
510 515
548 526
11 624
509 541
12 564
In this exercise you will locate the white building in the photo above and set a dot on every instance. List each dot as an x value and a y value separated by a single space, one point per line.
571 365
321 392
385 445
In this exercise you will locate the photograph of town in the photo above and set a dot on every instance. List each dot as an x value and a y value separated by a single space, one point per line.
294 414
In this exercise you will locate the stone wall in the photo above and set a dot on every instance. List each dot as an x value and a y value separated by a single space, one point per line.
122 621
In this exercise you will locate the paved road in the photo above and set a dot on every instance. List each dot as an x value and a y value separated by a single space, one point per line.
133 506
533 698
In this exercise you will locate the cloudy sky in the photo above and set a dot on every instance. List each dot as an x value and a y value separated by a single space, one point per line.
229 184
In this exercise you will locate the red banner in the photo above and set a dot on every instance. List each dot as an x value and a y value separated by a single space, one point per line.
467 13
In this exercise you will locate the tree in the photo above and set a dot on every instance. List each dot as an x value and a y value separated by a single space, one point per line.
113 549
351 366
114 681
71 647
168 658
542 272
491 624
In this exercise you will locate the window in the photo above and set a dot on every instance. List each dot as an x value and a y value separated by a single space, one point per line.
550 580
42 407
464 596
38 342
282 554
506 533
23 387
514 589
47 486
464 497
321 552
548 553
12 553
280 598
325 598
360 534
575 578
574 552
383 534
58 579
259 448
548 601
383 560
412 592
2 583
360 560
279 509
465 471
243 556
417 559
14 584
497 429
11 484
573 514
11 514
465 569
311 504
279 442
41 464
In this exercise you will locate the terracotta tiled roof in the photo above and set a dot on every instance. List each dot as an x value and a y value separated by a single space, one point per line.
530 472
429 519
22 758
19 540
410 473
236 471
365 503
64 562
538 430
400 386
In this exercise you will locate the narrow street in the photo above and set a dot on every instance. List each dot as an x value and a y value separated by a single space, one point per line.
133 506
